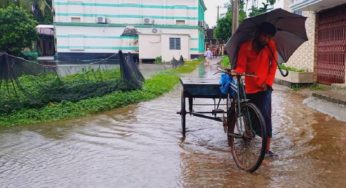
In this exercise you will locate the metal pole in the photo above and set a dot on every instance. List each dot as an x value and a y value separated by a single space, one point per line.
235 19
218 13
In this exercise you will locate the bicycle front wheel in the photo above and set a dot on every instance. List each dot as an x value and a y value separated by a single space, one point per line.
247 137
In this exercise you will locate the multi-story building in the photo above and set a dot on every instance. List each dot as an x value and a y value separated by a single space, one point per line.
90 29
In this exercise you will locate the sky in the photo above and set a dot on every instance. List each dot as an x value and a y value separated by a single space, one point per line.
211 13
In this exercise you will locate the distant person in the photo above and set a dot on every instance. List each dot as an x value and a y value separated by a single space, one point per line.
217 51
208 56
259 56
214 52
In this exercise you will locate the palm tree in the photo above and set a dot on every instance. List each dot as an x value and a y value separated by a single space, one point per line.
42 10
42 5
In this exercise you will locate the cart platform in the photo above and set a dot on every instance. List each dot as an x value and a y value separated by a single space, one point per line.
201 88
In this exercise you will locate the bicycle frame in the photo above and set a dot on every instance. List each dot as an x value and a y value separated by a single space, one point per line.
240 98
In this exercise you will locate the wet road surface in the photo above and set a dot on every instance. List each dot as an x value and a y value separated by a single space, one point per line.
141 146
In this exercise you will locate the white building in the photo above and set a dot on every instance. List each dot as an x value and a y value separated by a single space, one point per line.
94 29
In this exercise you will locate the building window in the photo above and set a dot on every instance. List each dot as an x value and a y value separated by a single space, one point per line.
180 22
174 43
75 19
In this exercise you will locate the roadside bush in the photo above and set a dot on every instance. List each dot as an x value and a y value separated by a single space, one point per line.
17 29
52 111
158 60
225 62
289 68
38 91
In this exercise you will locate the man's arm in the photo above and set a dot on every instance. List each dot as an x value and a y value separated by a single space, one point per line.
273 66
266 66
241 60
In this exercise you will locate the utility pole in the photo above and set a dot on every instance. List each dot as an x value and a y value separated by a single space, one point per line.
235 19
218 12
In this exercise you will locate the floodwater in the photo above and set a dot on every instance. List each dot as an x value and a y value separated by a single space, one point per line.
141 146
336 111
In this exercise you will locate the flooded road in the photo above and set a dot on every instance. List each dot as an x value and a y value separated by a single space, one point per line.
141 146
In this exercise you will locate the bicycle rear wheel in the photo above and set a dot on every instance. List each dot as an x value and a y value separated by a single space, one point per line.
247 136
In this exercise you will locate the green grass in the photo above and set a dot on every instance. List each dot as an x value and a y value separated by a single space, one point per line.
225 62
38 91
289 68
318 87
152 88
312 87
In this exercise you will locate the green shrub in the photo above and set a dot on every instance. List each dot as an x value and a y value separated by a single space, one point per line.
289 68
158 60
30 55
53 111
38 91
225 62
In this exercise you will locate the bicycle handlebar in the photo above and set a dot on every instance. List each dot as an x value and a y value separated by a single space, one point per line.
229 72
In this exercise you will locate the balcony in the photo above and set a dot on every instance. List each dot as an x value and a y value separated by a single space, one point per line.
315 5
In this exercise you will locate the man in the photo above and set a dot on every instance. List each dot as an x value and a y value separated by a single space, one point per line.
208 56
258 56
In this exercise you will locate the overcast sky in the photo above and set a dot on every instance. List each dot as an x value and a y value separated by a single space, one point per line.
211 13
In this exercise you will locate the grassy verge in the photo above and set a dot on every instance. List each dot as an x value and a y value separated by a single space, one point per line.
225 62
312 87
153 87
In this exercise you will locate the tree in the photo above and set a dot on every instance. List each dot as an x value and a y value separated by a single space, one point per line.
260 10
41 9
223 30
17 29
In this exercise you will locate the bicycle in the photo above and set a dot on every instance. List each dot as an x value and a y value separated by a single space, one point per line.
246 130
242 120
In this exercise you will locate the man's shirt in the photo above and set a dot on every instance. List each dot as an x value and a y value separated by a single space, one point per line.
262 64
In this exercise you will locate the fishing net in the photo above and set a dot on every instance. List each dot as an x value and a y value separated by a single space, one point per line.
177 63
26 84
130 71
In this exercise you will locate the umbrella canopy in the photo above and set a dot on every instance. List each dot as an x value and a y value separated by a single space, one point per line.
291 33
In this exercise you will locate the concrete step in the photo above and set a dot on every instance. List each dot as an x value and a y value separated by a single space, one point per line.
340 88
332 95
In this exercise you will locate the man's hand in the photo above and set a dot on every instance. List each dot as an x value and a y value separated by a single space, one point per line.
265 87
231 72
228 70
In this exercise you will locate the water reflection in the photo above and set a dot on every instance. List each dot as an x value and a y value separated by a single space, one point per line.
201 70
